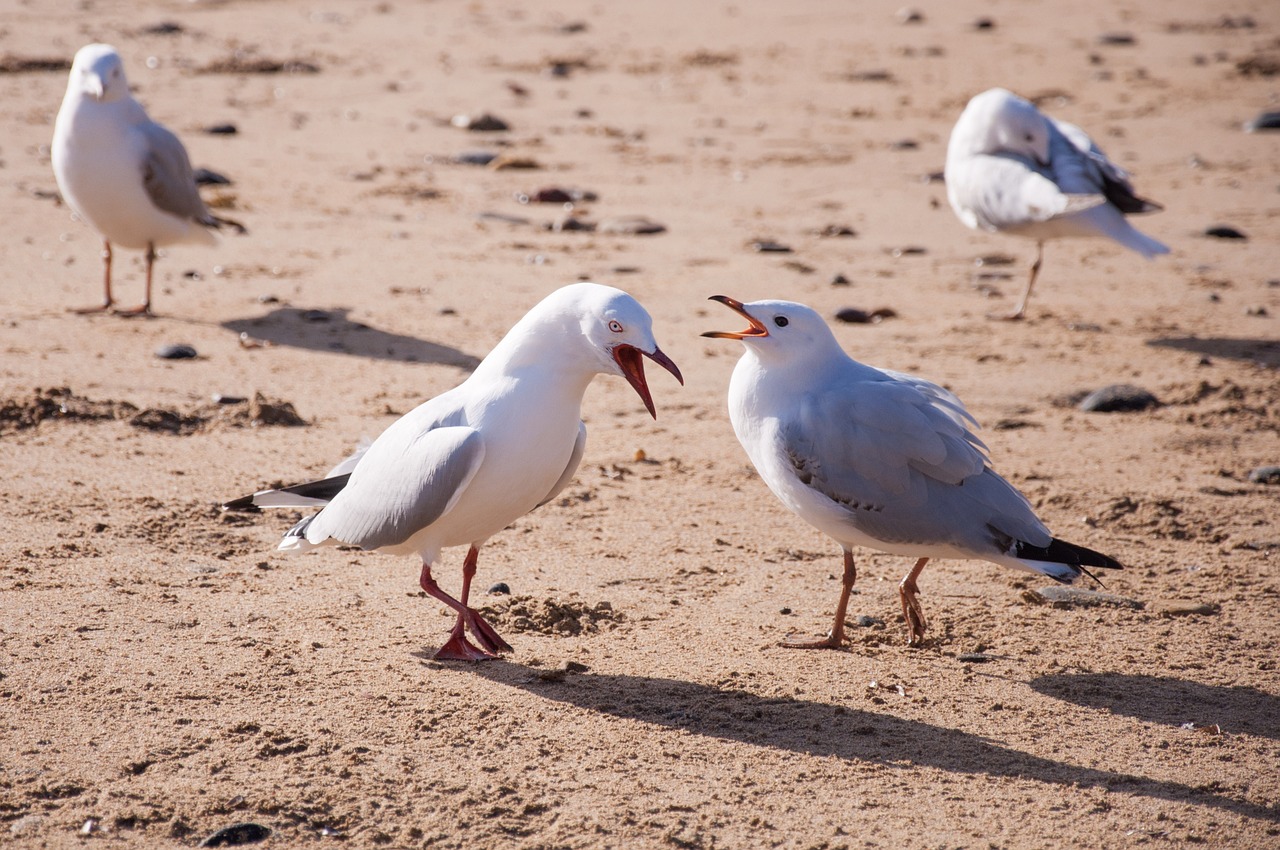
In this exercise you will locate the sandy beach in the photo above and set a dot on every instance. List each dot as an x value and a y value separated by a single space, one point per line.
166 674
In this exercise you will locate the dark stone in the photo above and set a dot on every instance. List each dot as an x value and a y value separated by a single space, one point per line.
973 658
1224 231
1264 121
1118 39
163 28
765 246
1118 398
176 351
222 129
1265 475
236 835
855 316
840 280
499 589
475 157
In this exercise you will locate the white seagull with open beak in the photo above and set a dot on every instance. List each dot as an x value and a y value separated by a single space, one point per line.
466 464
877 458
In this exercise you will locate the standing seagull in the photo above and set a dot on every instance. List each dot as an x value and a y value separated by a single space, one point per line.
1013 169
466 464
877 458
123 173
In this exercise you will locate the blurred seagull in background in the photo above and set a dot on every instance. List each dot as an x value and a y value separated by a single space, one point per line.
877 458
123 173
1012 169
466 464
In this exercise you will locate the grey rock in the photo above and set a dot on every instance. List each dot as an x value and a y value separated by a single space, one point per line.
176 351
1118 398
1265 475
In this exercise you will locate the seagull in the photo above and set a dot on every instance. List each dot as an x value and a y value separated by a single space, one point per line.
123 173
877 458
461 467
1012 169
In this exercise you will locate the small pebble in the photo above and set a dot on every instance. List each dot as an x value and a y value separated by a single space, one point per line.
1258 311
163 28
499 589
1184 608
904 145
855 316
908 251
994 260
176 351
865 622
1069 597
502 217
548 195
575 667
784 611
840 230
973 658
1117 39
219 398
840 280
484 123
222 129
1118 398
568 222
983 24
475 157
765 246
631 225
1264 121
512 162
205 177
1265 475
237 834
1224 231
908 15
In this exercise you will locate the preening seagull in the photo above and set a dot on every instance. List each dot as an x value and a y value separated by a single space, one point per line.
461 467
1012 169
877 458
123 173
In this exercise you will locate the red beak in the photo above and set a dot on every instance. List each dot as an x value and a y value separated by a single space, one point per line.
631 363
756 329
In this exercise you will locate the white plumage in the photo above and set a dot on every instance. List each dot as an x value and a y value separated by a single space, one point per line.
461 467
877 458
1012 169
127 176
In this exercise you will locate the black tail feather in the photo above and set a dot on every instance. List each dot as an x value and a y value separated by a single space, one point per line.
324 489
1062 552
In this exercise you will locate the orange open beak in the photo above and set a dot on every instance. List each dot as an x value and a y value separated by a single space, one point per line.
756 329
630 361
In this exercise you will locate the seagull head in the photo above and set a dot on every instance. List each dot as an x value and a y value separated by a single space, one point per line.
779 331
98 72
619 333
998 121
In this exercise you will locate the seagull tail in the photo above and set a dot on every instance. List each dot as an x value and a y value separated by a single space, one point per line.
1136 240
295 539
311 494
1064 562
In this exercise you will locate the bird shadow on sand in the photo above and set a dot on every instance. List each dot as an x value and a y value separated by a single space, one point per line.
1263 351
332 331
826 729
1161 699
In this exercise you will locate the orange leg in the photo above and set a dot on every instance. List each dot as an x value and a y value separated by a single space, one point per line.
144 309
834 638
107 300
911 610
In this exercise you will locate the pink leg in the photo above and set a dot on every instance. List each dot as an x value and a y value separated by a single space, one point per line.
911 610
1020 311
834 638
144 309
457 647
107 300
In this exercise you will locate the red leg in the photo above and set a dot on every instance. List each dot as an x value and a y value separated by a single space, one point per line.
483 632
834 638
144 309
911 610
107 300
457 647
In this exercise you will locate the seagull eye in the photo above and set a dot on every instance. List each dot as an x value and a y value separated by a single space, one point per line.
615 326
1030 138
781 321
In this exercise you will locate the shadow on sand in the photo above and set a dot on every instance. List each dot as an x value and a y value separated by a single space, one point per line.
824 729
1263 351
332 331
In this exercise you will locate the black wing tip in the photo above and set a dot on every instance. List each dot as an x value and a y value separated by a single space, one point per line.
1061 552
243 505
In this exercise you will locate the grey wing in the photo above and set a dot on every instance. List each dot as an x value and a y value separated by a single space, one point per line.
574 459
1081 167
401 487
168 177
878 441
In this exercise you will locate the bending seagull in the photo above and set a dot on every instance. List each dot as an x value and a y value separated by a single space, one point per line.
123 173
877 458
1012 169
464 465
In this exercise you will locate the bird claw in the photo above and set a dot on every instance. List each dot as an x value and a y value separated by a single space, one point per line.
485 633
458 648
140 310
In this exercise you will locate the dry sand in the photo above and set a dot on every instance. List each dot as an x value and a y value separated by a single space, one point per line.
164 674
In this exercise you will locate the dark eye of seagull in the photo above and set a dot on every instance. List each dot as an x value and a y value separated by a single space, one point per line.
615 326
781 321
